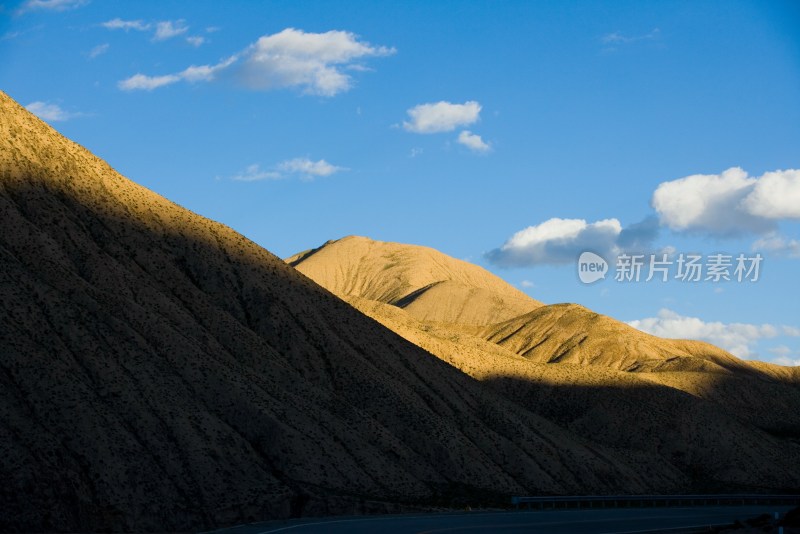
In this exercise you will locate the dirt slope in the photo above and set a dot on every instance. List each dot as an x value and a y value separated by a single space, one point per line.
158 371
570 333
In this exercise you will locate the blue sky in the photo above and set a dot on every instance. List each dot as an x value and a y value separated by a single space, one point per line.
511 134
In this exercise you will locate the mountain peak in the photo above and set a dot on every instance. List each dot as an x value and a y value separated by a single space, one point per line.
425 282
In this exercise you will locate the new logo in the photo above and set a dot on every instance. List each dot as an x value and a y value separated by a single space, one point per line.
591 267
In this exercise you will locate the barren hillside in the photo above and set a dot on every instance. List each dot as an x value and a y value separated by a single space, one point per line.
158 371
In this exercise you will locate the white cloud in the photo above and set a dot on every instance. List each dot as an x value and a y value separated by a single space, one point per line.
441 116
54 5
778 245
147 83
473 141
776 195
707 202
792 331
311 61
98 50
120 24
308 168
162 30
305 168
557 241
168 29
50 112
729 203
192 74
416 151
527 284
291 58
205 73
783 360
718 205
560 241
737 338
253 173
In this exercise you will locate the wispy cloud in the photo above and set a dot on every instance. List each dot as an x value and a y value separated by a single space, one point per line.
313 62
51 112
98 50
778 245
617 38
254 173
127 25
147 83
192 74
162 30
739 339
50 5
304 168
195 40
309 169
168 29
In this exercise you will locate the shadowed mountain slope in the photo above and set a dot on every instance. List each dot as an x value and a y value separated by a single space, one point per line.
158 371
430 285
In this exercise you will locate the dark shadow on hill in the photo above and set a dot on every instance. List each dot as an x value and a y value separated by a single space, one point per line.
160 372
720 448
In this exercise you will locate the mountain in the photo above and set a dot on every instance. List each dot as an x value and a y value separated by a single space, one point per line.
723 423
159 371
366 272
429 285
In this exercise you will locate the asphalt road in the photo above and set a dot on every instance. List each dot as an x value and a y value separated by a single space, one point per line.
612 521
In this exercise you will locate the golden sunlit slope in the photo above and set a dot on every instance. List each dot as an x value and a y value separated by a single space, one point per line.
570 333
461 297
780 372
430 285
158 371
